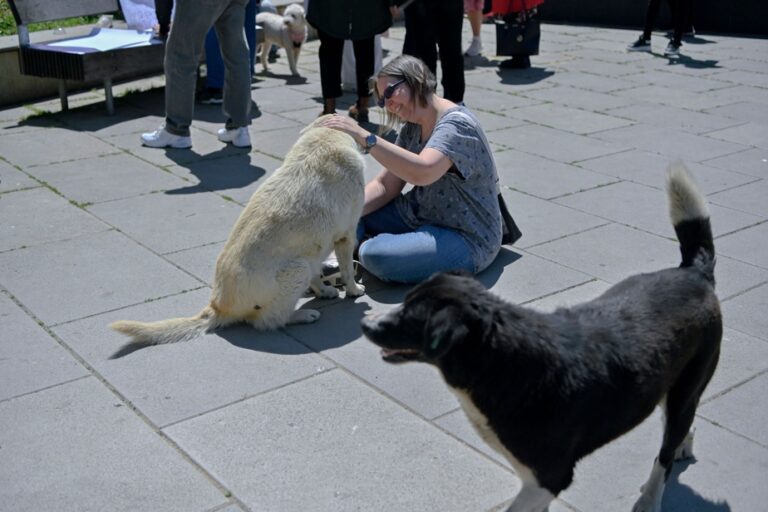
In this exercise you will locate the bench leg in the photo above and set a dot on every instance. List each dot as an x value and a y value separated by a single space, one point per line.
63 95
108 95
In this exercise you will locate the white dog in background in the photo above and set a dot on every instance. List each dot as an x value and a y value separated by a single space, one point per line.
288 31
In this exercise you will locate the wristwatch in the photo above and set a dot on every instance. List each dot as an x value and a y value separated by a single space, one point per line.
370 141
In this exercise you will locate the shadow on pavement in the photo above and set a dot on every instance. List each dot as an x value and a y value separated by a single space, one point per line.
680 497
528 76
227 168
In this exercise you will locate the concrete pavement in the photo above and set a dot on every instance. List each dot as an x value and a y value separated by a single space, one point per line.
95 228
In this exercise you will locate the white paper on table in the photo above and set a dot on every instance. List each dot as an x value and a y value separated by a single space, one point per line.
99 40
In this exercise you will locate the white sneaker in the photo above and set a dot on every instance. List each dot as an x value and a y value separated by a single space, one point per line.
161 138
475 48
239 137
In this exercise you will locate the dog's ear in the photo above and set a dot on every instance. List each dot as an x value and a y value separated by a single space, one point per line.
442 330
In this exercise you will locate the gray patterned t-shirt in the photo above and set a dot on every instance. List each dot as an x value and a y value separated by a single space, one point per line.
464 198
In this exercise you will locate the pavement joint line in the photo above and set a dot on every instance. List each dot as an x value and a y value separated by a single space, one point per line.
721 235
246 398
746 290
552 294
738 384
124 399
729 430
46 388
127 306
563 237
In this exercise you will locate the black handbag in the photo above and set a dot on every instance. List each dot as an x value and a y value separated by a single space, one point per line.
518 34
510 233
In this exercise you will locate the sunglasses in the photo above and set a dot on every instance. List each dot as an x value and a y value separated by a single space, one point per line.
388 92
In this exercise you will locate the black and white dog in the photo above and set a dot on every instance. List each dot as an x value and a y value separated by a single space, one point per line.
546 389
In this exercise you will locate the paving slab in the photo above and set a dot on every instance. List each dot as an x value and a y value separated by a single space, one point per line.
647 208
105 457
30 359
543 178
74 278
96 180
752 161
13 179
53 218
651 169
51 145
247 362
337 444
745 311
198 219
554 144
747 198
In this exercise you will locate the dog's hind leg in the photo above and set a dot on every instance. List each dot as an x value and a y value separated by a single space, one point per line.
680 409
265 46
344 247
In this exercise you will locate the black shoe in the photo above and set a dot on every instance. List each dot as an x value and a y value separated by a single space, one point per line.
516 62
641 45
211 96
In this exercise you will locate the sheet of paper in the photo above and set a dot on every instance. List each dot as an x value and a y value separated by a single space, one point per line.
139 14
99 40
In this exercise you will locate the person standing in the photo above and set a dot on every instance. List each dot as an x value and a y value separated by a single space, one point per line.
191 22
474 10
214 63
516 11
681 11
432 28
336 21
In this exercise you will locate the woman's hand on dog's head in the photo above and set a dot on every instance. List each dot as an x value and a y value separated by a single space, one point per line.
347 125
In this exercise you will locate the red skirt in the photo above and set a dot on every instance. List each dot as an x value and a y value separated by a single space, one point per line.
508 6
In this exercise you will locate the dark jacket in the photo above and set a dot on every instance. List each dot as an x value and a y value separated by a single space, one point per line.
351 19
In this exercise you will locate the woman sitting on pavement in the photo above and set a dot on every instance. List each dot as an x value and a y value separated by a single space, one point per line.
450 219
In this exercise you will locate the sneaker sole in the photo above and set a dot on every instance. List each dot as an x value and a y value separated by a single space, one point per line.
175 145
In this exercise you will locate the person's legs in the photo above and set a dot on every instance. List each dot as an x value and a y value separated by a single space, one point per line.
365 52
474 9
449 19
214 64
163 11
651 12
413 257
237 76
250 30
420 34
182 54
330 53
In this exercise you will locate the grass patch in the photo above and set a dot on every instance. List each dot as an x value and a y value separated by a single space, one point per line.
8 24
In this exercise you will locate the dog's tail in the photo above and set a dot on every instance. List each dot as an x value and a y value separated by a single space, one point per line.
165 331
690 217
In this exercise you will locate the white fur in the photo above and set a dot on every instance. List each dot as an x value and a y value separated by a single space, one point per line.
685 203
279 29
652 491
305 209
532 497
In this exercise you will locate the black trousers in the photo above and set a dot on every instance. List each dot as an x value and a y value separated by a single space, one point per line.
433 27
163 10
682 12
331 54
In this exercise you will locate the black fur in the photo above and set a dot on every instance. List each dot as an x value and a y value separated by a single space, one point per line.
557 386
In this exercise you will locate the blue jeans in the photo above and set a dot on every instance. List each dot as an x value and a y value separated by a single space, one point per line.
214 62
397 252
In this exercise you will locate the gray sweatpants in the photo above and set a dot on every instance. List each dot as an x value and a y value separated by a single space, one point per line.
191 22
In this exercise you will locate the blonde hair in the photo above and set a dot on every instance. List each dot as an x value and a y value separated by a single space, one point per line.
417 76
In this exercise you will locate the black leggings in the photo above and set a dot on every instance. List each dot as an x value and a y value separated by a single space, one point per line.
331 54
681 17
433 26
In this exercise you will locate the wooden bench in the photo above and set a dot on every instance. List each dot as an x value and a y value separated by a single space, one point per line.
103 55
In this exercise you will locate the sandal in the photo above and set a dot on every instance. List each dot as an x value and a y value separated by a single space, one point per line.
361 116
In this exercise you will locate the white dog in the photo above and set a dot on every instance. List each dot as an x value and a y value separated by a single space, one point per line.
306 208
288 31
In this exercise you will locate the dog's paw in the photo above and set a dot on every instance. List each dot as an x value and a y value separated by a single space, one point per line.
647 504
304 316
326 292
356 290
